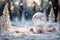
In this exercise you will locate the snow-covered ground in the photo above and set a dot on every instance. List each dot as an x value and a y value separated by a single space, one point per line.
18 32
30 36
23 34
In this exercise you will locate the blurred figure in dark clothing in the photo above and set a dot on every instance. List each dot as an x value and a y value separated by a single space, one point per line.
48 9
34 8
46 6
55 8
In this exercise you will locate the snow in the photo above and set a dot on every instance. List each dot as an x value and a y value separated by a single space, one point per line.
23 34
22 30
32 37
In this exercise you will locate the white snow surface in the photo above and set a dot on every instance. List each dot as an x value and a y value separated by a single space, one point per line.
26 35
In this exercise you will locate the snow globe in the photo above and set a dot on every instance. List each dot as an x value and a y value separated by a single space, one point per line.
39 20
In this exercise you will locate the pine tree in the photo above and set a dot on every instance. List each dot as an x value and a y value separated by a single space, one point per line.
23 17
6 17
51 16
27 26
45 15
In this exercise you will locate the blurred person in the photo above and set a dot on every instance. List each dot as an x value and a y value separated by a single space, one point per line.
48 9
46 6
55 8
